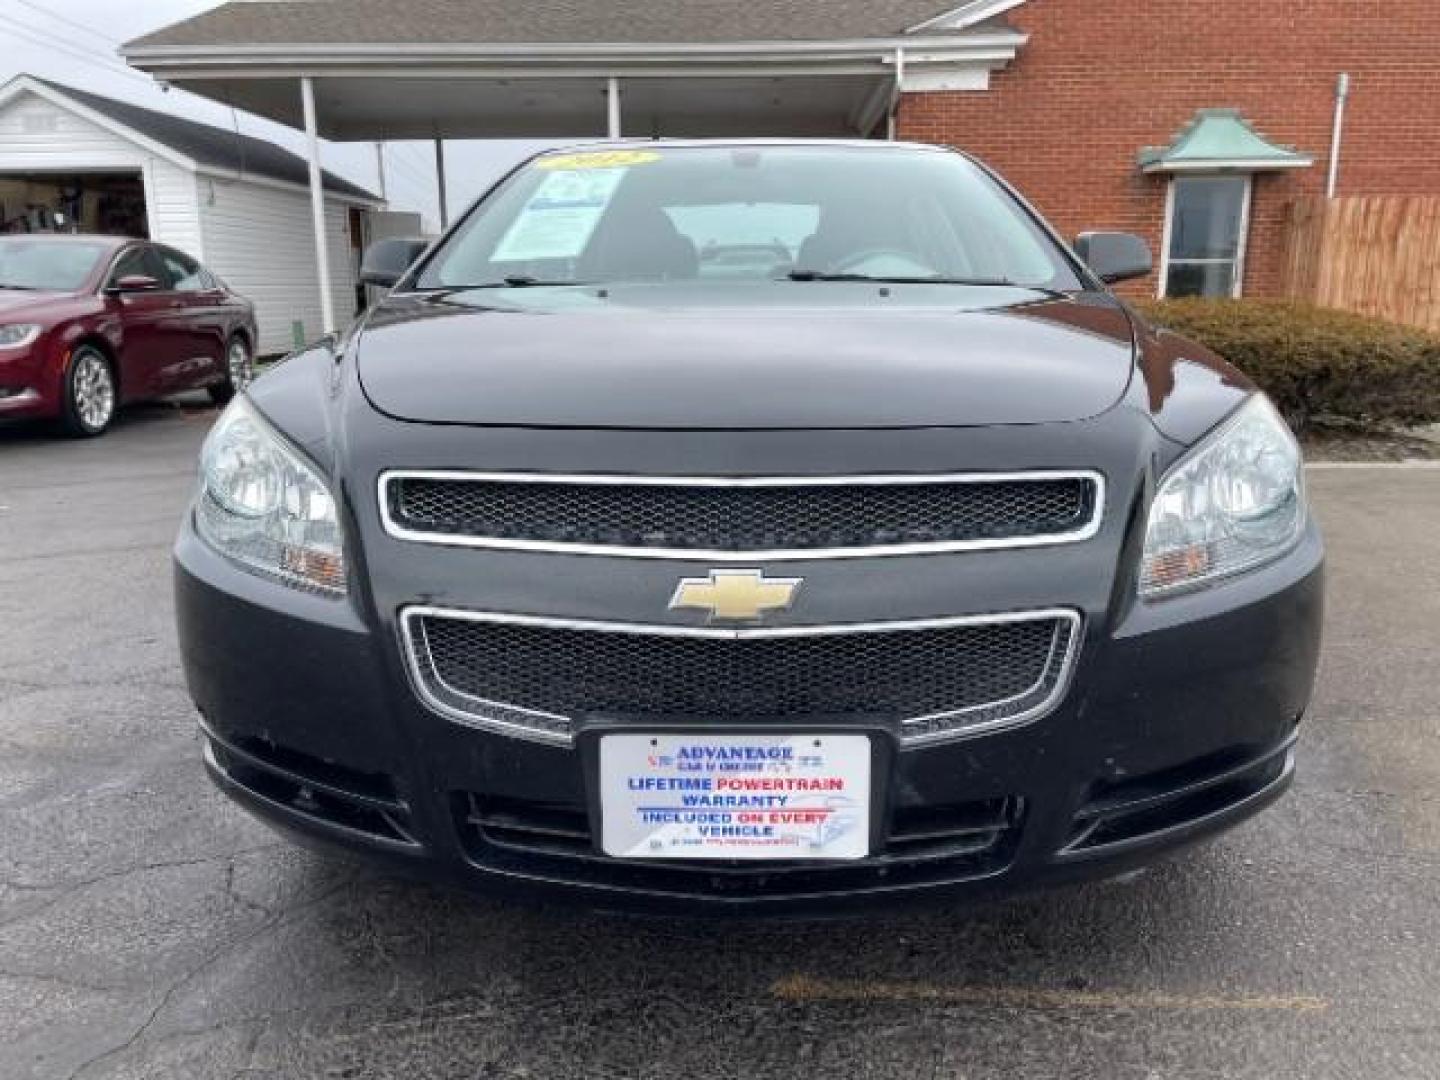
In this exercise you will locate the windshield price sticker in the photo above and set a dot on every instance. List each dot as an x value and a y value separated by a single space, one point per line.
560 217
737 797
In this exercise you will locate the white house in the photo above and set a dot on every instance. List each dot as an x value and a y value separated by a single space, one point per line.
238 204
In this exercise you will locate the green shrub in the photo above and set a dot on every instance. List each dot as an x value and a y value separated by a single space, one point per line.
1315 362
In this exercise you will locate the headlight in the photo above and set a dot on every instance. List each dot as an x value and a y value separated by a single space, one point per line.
1234 502
18 335
261 504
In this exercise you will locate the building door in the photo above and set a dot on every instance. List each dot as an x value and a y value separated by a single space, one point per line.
1207 225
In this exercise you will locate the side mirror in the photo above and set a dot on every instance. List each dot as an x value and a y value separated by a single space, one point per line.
134 283
1114 256
386 261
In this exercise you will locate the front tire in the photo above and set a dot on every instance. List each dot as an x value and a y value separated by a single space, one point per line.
90 393
239 371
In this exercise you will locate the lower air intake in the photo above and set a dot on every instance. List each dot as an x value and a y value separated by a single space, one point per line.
538 678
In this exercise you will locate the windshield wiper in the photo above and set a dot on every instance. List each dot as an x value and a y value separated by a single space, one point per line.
979 282
20 288
516 281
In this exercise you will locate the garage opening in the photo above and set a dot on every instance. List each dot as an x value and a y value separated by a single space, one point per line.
112 203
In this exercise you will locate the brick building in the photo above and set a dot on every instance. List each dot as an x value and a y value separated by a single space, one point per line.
1194 124
1098 80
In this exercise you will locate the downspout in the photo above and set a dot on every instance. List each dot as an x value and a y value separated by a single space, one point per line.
897 94
1342 97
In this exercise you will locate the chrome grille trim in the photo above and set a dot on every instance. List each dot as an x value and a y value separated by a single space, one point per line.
401 532
555 729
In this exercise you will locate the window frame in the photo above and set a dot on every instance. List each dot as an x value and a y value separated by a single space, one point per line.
145 247
1242 247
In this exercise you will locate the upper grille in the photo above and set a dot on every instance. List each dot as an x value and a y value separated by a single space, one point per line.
742 519
536 677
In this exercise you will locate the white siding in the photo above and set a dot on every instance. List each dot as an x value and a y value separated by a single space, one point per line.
170 200
259 239
37 136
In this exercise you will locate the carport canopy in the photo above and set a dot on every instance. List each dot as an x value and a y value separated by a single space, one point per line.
373 70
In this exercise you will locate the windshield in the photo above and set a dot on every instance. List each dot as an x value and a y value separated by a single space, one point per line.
748 213
46 264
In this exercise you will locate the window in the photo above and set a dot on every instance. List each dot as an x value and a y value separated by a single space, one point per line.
183 273
1206 226
728 215
63 266
745 239
137 262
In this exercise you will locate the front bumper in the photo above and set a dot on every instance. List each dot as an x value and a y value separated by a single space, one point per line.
1180 722
23 386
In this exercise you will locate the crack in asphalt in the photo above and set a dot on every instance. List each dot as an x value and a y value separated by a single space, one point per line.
243 901
279 919
59 980
69 888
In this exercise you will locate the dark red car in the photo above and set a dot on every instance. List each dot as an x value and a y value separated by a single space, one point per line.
89 323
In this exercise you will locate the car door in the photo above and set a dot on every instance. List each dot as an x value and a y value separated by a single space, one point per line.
149 345
202 306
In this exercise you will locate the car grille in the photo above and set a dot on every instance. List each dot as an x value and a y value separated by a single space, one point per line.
760 518
538 678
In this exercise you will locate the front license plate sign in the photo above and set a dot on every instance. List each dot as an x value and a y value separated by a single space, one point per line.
735 796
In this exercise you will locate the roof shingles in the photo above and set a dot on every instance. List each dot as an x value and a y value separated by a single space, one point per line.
210 146
385 22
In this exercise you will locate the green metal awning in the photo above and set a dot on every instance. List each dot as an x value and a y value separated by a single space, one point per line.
1221 140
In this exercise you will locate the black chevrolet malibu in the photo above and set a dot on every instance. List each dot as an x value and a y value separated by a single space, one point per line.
752 526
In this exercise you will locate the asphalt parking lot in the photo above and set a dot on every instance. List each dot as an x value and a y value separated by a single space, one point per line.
149 929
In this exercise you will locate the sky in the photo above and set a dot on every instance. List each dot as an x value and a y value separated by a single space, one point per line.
75 42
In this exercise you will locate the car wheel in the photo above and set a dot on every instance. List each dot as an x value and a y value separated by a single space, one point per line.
239 371
90 394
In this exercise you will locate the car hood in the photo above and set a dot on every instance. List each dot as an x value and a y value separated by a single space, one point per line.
908 357
28 301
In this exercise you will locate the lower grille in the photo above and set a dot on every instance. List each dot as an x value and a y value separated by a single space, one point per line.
1146 806
538 678
355 802
930 843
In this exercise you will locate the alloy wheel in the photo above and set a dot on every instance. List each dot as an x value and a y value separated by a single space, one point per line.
242 370
94 390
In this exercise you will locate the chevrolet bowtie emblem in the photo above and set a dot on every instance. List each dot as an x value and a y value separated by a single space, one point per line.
736 595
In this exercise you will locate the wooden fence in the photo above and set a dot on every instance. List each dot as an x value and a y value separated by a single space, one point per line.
1372 255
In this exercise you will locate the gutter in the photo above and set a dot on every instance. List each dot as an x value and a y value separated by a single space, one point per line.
920 48
231 176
